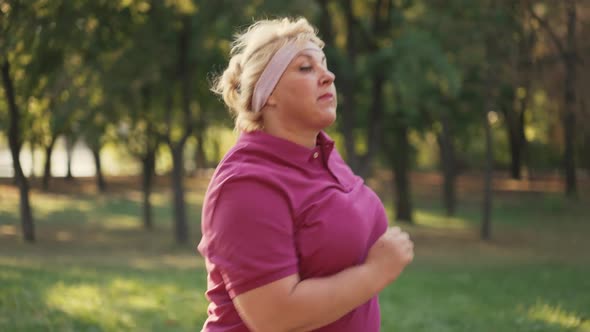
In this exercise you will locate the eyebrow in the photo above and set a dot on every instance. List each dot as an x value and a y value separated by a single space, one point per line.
311 57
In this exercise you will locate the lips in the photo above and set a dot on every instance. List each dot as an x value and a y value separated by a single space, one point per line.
326 96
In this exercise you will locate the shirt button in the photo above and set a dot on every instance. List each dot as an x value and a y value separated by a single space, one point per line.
315 155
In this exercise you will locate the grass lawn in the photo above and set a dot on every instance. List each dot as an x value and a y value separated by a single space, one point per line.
93 268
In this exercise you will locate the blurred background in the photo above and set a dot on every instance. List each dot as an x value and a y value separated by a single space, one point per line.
470 119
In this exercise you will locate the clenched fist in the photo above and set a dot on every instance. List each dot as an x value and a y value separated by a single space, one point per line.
390 254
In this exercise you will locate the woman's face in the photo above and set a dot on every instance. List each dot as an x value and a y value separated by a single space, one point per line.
305 96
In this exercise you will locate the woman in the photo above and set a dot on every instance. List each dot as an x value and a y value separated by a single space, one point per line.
293 240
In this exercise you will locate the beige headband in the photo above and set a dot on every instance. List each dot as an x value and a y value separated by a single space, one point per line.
274 70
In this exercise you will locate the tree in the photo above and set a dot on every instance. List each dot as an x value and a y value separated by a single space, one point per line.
568 54
521 89
367 26
15 141
494 13
132 88
12 28
61 111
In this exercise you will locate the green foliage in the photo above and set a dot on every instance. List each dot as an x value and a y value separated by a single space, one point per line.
85 67
419 68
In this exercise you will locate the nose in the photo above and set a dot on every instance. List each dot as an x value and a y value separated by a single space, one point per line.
327 77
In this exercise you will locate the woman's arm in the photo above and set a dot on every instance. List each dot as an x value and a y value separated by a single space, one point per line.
291 304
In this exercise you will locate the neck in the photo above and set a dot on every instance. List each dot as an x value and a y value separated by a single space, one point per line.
307 139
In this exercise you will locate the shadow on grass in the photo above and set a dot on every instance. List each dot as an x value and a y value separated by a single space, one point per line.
9 218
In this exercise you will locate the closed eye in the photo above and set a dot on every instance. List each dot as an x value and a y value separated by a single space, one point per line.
305 68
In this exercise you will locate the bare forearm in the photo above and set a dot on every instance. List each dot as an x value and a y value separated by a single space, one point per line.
294 305
317 302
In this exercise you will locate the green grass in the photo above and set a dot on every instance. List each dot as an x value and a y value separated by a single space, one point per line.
512 297
45 296
93 268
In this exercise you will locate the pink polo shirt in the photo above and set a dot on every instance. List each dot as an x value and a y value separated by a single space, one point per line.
275 208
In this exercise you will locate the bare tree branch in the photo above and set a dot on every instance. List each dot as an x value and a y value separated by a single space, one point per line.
547 28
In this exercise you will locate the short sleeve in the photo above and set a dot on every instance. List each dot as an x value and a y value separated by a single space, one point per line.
251 235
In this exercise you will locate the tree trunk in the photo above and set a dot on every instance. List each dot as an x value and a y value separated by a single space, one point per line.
200 158
527 50
447 158
486 225
325 23
348 113
374 131
585 148
216 151
381 23
513 126
149 163
15 142
100 182
47 166
522 136
400 164
514 137
528 46
177 150
180 223
524 68
569 120
586 152
27 222
69 150
569 56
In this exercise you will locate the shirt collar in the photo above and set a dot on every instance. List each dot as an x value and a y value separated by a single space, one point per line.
288 150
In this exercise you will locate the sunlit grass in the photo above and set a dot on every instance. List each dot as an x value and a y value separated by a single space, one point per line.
85 302
454 298
118 223
115 305
556 315
46 205
105 299
429 219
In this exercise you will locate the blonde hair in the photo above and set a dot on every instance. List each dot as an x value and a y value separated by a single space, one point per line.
251 51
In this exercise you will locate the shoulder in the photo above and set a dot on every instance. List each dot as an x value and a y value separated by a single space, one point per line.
247 164
242 167
240 200
245 182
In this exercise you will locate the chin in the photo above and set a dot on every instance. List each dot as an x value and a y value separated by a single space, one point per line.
328 117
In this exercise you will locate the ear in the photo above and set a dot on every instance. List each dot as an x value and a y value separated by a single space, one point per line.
271 101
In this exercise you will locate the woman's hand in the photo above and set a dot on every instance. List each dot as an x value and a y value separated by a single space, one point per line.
388 257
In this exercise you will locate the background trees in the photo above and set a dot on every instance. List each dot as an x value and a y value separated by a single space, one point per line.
475 86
